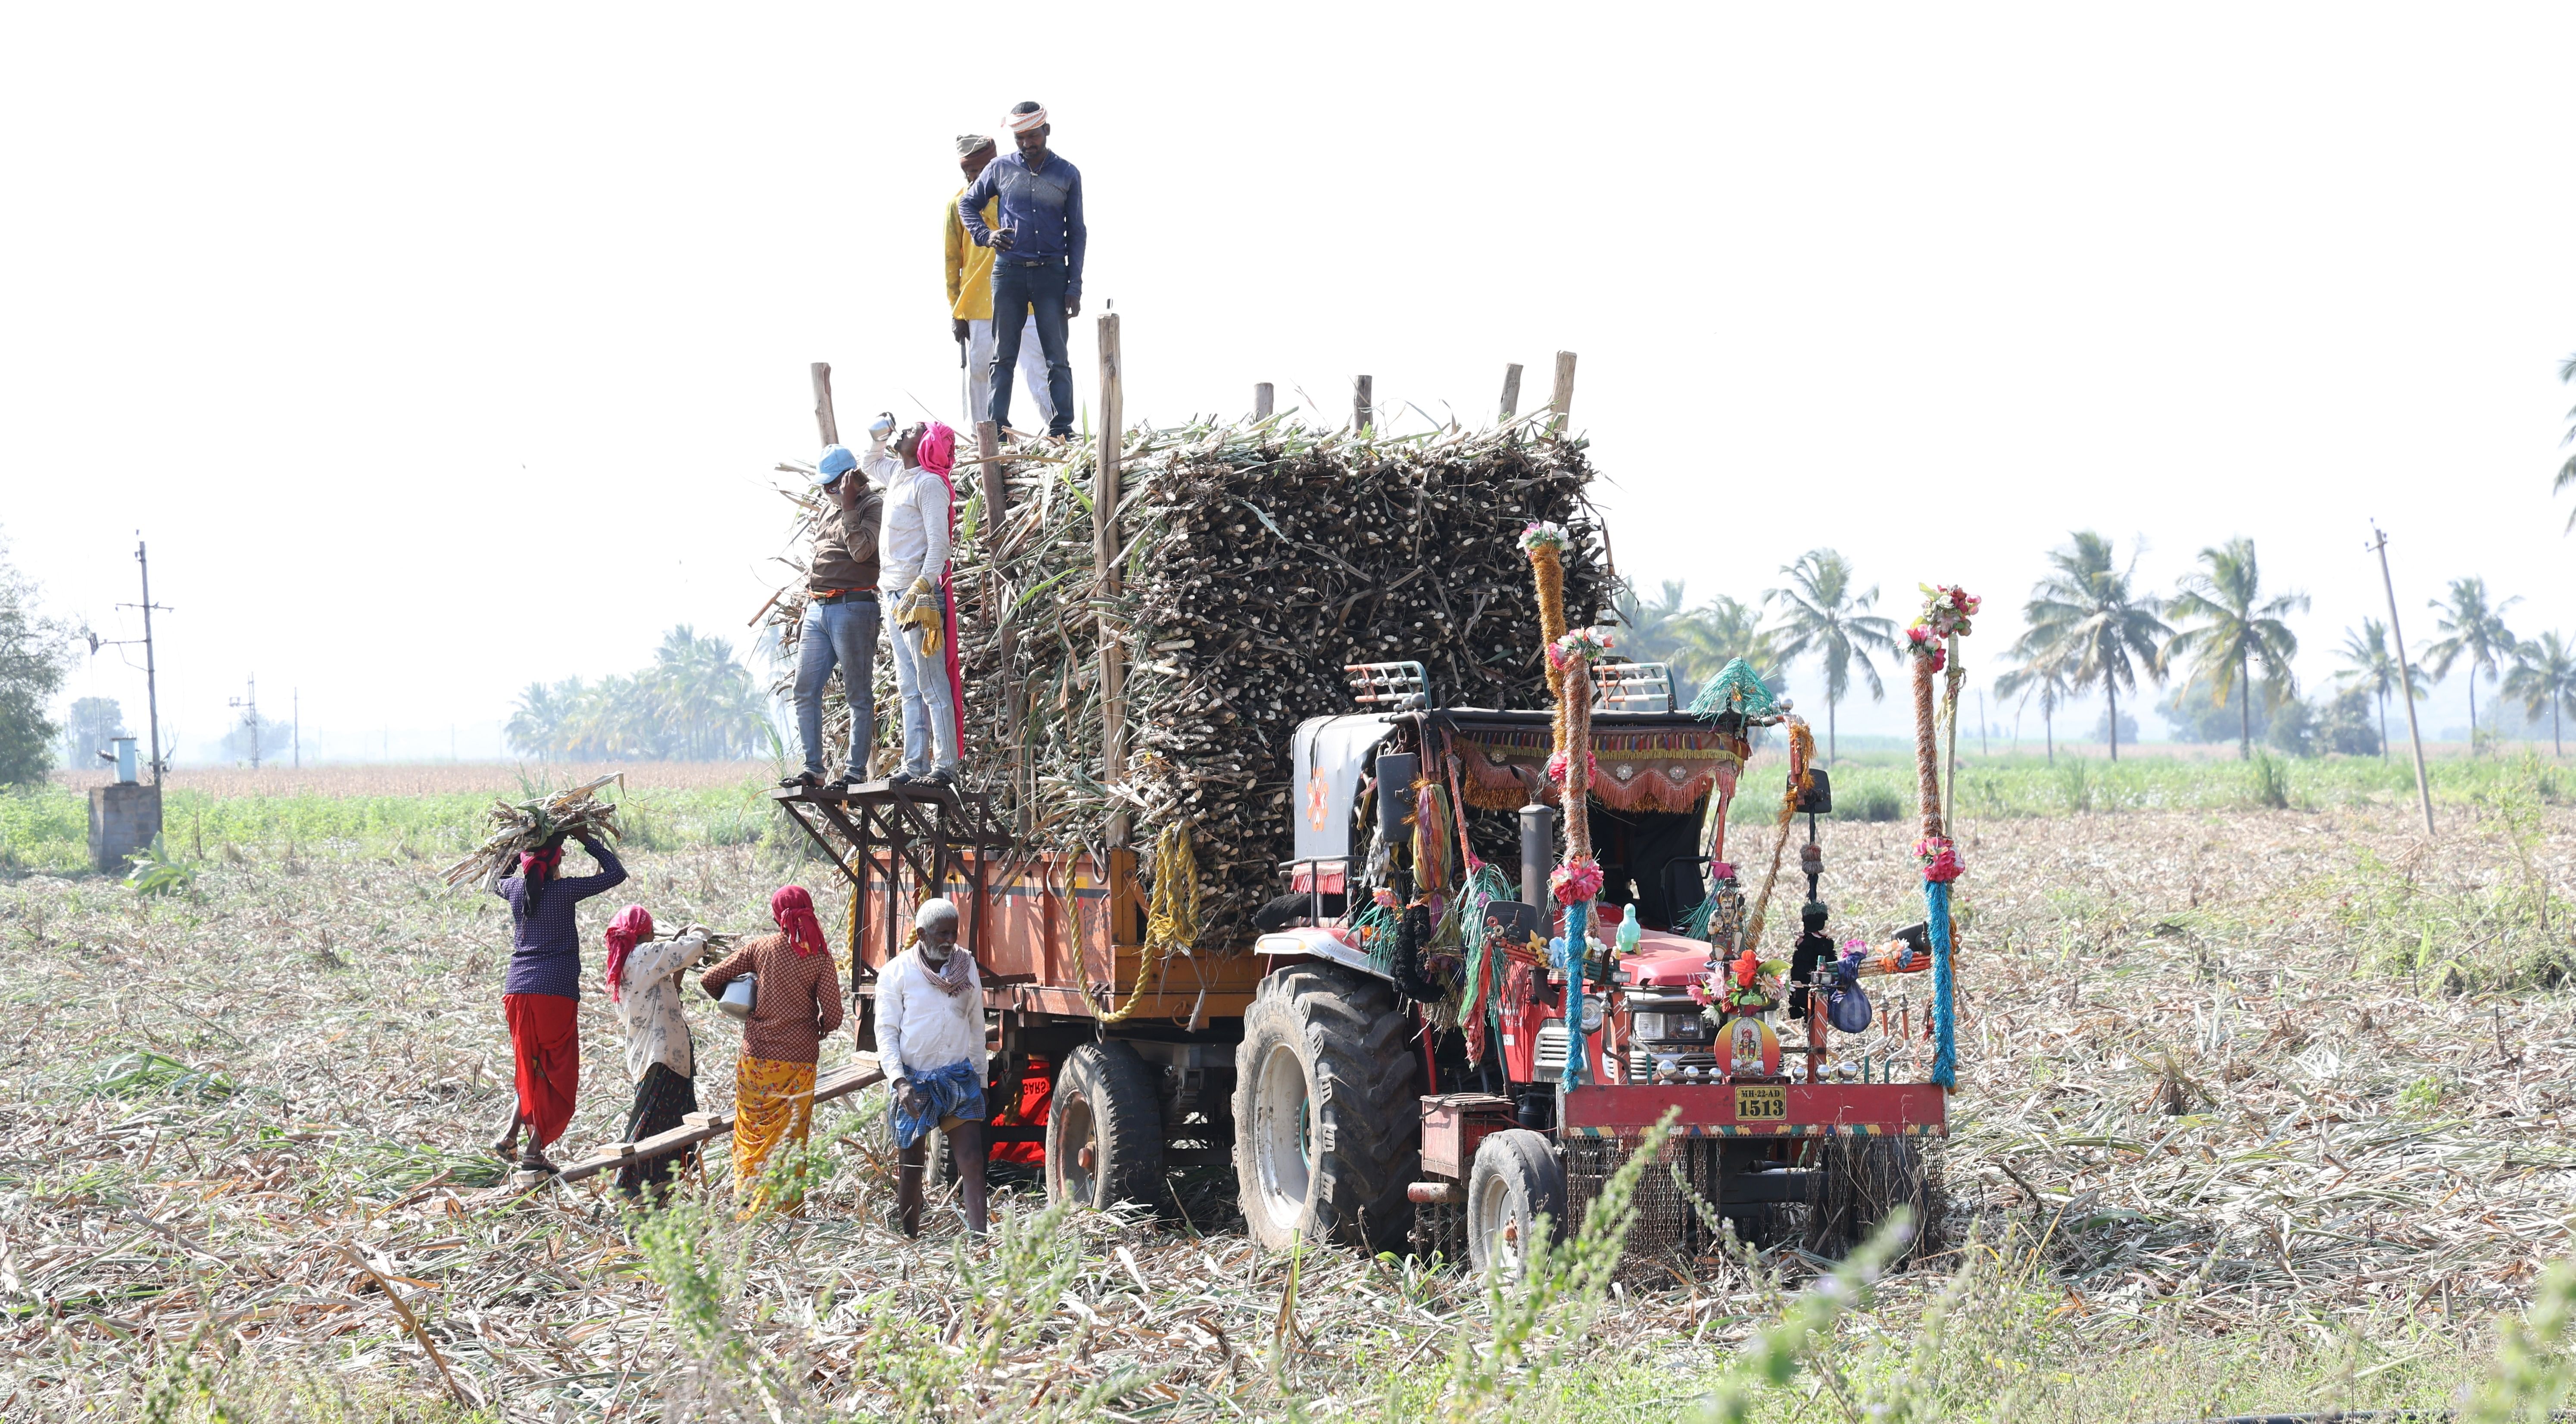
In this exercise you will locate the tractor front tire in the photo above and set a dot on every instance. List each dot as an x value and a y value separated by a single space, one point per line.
1327 1111
1515 1191
1104 1139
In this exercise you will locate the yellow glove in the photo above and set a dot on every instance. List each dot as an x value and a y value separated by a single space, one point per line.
920 608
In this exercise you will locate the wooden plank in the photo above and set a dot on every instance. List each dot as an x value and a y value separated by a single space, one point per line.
1511 390
1262 396
1561 405
1362 392
1104 558
839 1083
824 420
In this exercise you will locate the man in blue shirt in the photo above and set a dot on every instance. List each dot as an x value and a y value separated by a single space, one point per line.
1037 256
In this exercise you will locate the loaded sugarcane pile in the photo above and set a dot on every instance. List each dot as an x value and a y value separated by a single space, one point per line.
1257 561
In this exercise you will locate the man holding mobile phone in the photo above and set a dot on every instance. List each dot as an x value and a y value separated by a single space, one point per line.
1038 247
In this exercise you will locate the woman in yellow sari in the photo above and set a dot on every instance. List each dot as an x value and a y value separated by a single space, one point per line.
796 1000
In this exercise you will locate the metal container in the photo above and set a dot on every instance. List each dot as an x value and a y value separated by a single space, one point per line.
739 996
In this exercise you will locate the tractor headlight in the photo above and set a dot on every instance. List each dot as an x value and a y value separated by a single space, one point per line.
1649 1025
1594 1011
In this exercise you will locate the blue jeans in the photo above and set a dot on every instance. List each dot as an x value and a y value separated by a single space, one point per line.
1017 285
843 634
922 679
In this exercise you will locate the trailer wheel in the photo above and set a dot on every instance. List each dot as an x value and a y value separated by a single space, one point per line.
1104 1141
1327 1114
1860 1182
1515 1189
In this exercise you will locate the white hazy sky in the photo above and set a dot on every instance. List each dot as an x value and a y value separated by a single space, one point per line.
436 349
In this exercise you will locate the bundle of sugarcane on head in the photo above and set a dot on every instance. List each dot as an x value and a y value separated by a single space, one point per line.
538 824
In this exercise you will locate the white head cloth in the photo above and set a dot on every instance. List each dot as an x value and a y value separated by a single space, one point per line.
1022 123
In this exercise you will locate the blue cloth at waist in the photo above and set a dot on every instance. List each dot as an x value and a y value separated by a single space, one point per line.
954 1091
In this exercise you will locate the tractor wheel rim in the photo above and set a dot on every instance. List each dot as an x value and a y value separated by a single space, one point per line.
1079 1138
1490 1217
1282 1137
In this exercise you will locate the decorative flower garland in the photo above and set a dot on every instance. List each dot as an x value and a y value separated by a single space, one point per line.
1585 645
1946 610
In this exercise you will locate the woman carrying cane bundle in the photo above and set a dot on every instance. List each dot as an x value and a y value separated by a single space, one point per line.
543 991
796 999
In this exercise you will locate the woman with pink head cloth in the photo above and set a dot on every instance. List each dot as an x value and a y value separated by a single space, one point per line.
643 976
912 565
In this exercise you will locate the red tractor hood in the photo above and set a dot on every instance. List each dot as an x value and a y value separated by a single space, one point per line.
1664 961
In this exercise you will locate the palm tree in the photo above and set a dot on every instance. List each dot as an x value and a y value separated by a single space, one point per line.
2544 674
1717 633
2045 676
2567 472
2237 628
2474 629
2370 664
1649 626
1820 614
538 724
2088 618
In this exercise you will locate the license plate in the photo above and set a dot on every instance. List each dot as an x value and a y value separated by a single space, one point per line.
1761 1102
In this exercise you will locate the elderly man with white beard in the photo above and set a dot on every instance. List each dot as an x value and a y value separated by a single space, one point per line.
930 1042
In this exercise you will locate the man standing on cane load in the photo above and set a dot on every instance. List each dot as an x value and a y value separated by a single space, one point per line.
969 271
912 566
1038 263
930 1041
840 613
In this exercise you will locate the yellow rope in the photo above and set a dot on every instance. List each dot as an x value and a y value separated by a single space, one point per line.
1172 925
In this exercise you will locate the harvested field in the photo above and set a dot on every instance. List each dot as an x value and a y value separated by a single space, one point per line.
2260 1110
451 778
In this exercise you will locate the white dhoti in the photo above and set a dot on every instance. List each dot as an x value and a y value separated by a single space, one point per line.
977 382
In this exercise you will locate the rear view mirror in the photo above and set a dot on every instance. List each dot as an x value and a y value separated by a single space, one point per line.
1819 795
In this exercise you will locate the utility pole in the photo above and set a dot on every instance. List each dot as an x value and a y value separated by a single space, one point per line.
2405 674
250 718
296 704
151 671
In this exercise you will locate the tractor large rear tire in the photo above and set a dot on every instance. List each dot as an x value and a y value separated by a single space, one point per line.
1327 1111
1104 1142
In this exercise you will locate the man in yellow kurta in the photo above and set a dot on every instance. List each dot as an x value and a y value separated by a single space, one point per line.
969 269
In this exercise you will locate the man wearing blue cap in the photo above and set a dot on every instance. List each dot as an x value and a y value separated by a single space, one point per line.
841 612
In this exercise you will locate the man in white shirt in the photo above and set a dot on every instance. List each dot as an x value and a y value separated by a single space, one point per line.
912 565
930 1042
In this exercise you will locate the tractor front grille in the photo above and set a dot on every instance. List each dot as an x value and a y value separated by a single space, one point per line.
1551 1048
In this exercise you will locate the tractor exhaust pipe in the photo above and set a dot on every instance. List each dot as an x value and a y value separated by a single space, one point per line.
1538 853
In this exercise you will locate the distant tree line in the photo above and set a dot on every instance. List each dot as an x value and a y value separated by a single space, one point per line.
2224 643
694 702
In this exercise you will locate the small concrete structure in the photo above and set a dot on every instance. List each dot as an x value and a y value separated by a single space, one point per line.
123 818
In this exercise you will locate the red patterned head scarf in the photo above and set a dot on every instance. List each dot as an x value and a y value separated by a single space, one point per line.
793 909
536 867
937 451
633 924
